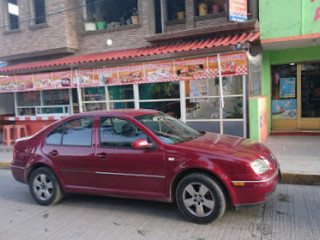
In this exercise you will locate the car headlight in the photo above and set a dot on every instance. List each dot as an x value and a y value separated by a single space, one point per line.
260 165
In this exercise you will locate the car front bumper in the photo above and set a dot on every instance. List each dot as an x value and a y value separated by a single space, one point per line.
254 192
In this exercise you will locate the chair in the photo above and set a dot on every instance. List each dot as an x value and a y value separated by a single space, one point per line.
20 131
8 134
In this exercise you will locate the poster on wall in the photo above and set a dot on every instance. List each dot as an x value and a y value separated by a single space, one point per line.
199 88
238 10
42 81
287 87
8 84
231 64
284 109
24 82
130 74
190 68
159 71
105 76
62 79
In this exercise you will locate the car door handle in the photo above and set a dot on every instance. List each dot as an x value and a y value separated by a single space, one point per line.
102 156
54 153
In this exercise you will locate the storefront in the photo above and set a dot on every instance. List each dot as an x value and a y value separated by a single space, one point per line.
206 92
294 89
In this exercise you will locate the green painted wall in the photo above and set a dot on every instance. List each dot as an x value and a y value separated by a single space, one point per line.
283 18
253 119
275 57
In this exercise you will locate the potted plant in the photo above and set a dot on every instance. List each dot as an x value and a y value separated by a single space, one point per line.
134 16
101 24
90 24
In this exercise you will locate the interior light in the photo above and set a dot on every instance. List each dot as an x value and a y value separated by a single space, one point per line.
109 42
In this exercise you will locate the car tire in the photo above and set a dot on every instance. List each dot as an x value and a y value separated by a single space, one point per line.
44 187
200 198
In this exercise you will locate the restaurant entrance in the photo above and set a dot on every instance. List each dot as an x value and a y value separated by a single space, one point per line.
296 96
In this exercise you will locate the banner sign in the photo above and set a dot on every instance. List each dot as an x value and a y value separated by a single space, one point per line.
105 76
191 68
158 71
130 74
24 82
8 84
238 10
231 64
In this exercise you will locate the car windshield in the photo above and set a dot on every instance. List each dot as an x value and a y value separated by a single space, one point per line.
168 129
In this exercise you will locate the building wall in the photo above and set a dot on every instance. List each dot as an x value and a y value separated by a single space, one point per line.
288 18
59 32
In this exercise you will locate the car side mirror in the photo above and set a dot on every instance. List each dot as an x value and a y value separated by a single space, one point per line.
141 144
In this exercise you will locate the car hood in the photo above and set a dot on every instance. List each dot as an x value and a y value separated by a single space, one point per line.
226 145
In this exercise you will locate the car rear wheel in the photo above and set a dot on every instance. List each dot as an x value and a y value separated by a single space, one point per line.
200 198
44 187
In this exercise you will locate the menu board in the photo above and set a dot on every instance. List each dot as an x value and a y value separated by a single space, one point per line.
287 87
188 69
159 71
231 64
105 76
8 84
130 74
42 81
24 82
62 79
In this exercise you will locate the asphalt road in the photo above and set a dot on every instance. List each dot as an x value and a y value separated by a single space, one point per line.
292 213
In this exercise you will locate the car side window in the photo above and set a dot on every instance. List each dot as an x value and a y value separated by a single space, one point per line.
55 136
78 132
119 133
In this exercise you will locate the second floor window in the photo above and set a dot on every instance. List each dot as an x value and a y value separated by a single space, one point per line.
110 14
13 14
39 11
206 7
176 9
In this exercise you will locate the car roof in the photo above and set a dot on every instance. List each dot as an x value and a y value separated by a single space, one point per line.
121 112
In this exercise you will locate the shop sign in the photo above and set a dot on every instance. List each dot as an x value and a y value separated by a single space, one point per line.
159 71
130 74
284 109
287 87
24 82
43 81
231 64
105 76
190 68
238 10
85 77
62 79
8 84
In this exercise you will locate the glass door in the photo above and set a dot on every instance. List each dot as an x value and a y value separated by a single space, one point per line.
310 96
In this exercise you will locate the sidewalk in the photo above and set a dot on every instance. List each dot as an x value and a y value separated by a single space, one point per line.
299 157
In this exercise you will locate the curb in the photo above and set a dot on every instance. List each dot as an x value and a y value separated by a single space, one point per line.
286 178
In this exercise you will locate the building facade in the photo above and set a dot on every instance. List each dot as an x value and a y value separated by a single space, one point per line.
187 58
290 38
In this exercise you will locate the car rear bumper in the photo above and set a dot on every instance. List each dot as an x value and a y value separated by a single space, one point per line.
255 192
18 173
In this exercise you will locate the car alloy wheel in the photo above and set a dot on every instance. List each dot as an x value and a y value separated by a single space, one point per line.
44 186
200 198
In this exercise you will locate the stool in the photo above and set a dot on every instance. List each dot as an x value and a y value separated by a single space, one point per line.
8 134
20 131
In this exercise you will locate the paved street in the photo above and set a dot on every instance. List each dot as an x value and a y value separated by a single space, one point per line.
292 213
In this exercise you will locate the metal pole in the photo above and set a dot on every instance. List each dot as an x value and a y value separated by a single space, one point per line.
221 94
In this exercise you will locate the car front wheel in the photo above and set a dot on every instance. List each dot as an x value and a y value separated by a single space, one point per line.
200 198
44 186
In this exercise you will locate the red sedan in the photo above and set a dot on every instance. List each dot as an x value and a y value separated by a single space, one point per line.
145 154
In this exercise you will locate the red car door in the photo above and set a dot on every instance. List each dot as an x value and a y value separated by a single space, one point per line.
70 148
122 170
